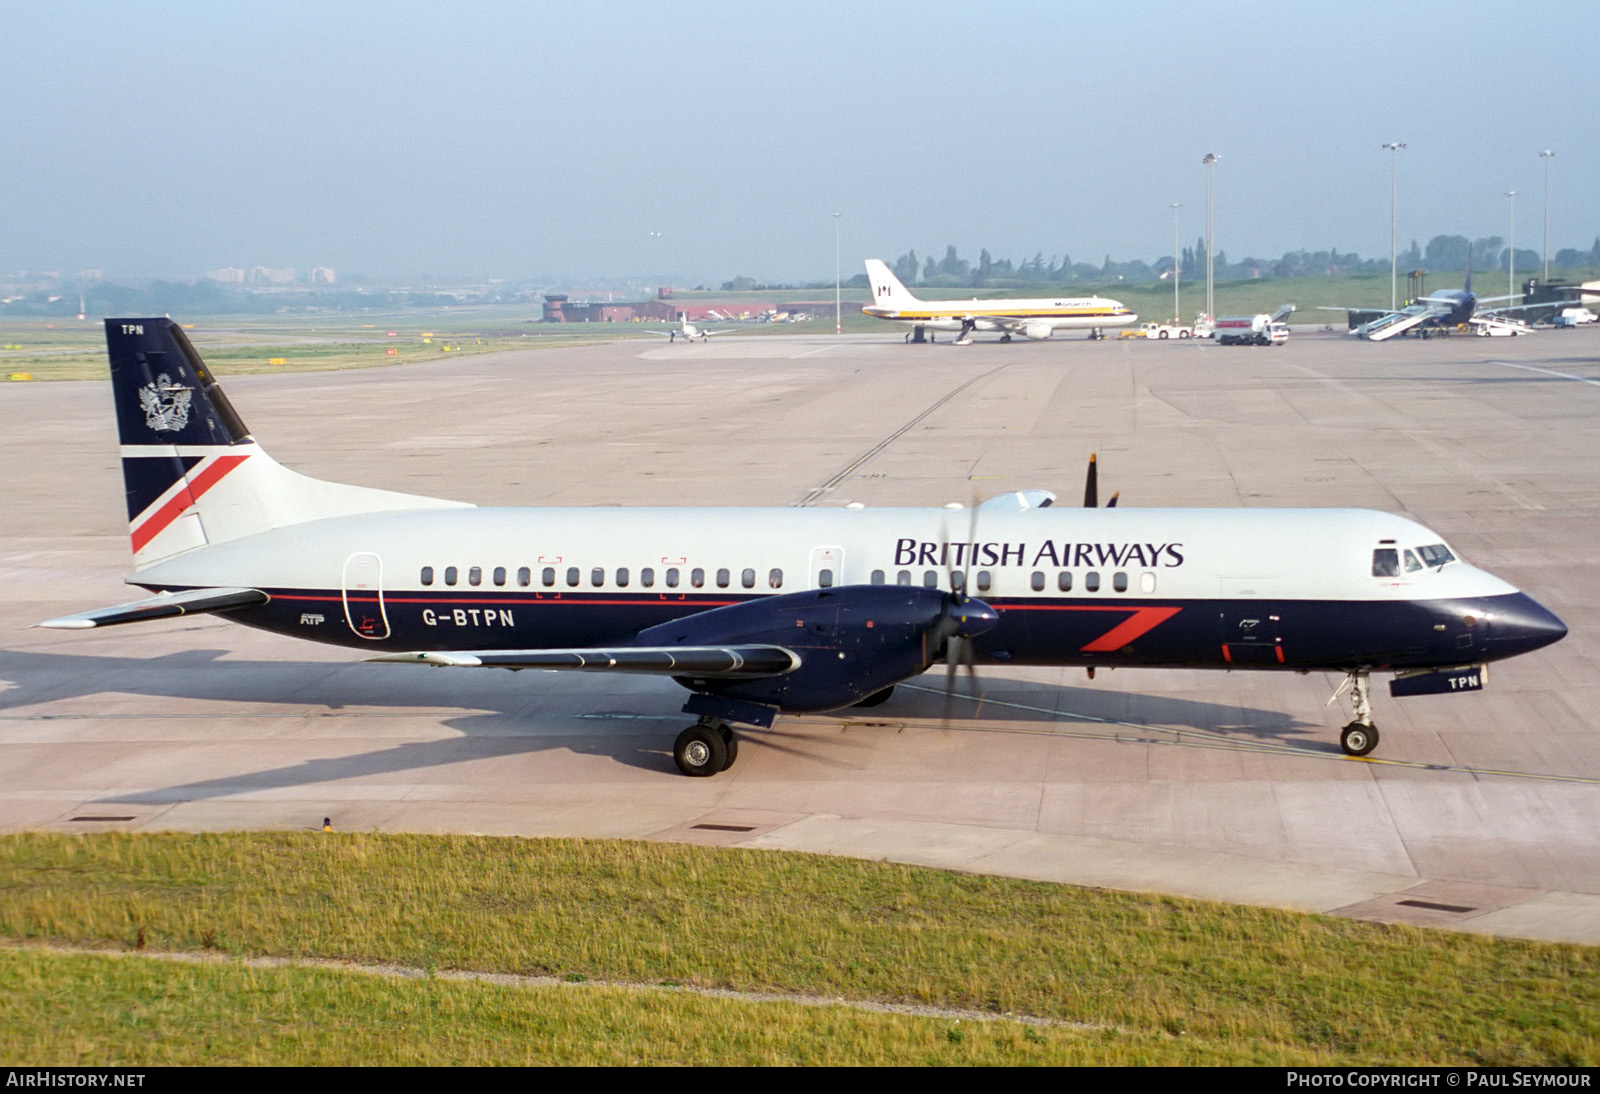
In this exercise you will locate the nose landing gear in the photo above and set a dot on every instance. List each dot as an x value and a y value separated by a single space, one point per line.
1360 736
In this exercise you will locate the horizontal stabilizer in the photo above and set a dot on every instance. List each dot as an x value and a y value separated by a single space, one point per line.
721 662
192 602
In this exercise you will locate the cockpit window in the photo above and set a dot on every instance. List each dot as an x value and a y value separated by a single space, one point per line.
1385 562
1436 554
1412 565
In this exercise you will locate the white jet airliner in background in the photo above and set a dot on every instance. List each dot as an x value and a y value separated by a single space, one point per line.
762 612
1029 318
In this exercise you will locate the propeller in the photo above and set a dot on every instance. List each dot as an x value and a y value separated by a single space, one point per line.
965 617
1091 487
1091 500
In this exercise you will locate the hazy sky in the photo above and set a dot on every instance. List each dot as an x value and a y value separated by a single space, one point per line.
521 139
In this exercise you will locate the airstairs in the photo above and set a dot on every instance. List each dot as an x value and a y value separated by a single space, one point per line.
1394 323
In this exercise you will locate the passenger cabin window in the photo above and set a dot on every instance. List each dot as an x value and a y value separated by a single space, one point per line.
449 575
427 575
1385 562
1064 581
1037 581
548 576
824 579
622 577
1147 582
722 579
499 575
775 579
1119 581
903 577
985 580
597 576
475 576
747 578
877 577
697 577
647 577
672 578
572 577
930 579
524 576
1091 582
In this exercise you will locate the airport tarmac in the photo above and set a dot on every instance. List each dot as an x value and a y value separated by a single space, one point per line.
1478 812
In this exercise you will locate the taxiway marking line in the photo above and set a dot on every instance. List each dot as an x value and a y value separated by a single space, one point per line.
1548 372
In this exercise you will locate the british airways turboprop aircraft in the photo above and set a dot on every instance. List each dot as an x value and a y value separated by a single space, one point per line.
761 612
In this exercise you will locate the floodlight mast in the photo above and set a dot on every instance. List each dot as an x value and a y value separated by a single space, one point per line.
1177 265
1394 220
1211 306
838 312
1511 252
1547 155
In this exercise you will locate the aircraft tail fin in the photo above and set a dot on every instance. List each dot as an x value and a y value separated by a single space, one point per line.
192 472
887 292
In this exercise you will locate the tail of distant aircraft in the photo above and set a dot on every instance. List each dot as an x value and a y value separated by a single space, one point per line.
192 472
887 292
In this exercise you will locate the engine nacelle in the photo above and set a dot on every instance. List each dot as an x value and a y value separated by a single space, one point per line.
852 641
1037 331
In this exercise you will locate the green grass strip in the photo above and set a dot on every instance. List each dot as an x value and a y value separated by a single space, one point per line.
1247 983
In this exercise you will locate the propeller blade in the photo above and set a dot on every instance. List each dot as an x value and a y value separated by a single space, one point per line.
1091 484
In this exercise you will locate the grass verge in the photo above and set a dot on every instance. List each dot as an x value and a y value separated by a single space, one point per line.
1230 983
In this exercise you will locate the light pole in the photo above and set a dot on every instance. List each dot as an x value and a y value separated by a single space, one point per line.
1177 265
1511 252
838 311
1211 307
1394 219
1547 155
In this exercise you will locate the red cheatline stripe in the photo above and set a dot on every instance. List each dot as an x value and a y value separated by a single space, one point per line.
210 474
1139 622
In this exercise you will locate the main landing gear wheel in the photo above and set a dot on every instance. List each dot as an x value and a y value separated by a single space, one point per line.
1358 738
702 749
730 739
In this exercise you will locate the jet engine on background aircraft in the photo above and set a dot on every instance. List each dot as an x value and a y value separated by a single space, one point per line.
1037 331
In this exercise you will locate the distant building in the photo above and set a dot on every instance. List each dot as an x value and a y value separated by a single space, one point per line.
322 275
266 275
230 275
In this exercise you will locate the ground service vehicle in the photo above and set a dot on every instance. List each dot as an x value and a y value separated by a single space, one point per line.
1253 330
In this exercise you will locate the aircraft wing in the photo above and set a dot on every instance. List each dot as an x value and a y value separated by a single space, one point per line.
717 662
192 602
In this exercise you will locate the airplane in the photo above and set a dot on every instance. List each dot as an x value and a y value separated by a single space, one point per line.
686 330
1035 319
1443 309
760 612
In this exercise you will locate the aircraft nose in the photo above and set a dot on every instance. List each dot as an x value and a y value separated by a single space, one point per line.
1521 624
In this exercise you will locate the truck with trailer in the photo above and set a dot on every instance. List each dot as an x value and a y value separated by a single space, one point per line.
1252 330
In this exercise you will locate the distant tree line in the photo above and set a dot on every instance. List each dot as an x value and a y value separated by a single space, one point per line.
1444 253
206 297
